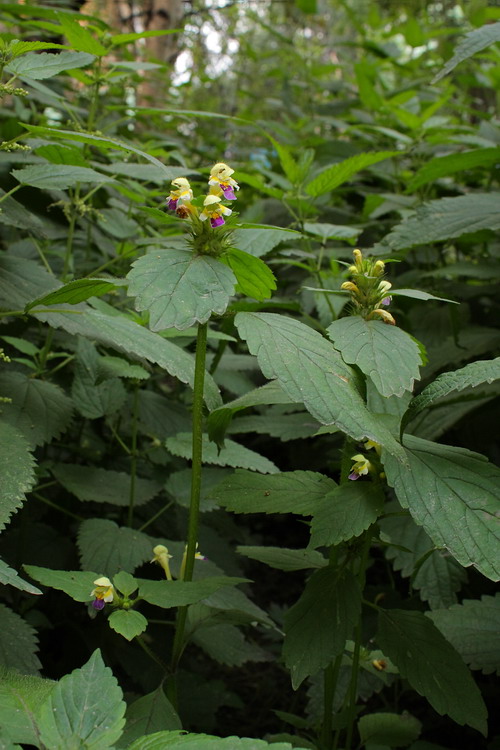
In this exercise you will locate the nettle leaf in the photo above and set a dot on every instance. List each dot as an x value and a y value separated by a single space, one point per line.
299 492
18 48
91 484
470 376
254 278
432 666
74 292
336 174
284 559
231 455
18 643
443 166
285 427
57 176
332 231
127 622
39 410
434 572
17 476
20 699
10 577
174 740
125 583
346 512
151 713
260 240
75 583
454 494
92 398
118 367
445 218
179 288
86 708
44 65
472 628
79 36
226 644
471 43
394 730
419 294
110 548
386 354
318 625
312 372
169 594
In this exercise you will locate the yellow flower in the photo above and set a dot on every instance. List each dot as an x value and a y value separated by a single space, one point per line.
161 556
384 315
197 556
214 210
104 592
221 181
360 467
182 194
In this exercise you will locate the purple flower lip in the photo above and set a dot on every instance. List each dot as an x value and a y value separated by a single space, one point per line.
217 222
172 204
228 192
98 604
354 475
386 301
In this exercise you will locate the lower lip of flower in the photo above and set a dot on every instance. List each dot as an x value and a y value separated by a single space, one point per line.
217 222
228 193
354 475
98 604
172 204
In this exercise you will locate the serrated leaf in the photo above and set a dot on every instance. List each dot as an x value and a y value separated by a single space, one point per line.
125 583
94 398
332 231
259 241
119 39
446 218
110 548
20 699
312 372
174 740
471 43
57 154
454 494
386 354
179 288
17 476
283 426
118 367
86 708
226 644
44 65
298 492
319 624
151 713
127 622
336 174
91 484
10 577
74 292
419 294
14 214
393 730
346 512
18 48
472 628
57 176
169 594
75 583
254 278
18 643
284 559
443 166
431 665
80 37
231 455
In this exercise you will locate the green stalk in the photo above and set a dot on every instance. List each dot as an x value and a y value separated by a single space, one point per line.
68 256
330 678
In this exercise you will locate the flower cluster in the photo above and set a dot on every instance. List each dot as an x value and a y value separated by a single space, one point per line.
221 187
369 291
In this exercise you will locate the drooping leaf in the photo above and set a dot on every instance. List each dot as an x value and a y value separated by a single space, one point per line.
74 292
254 278
346 512
20 699
419 294
75 583
336 174
169 594
18 643
174 740
179 288
226 644
44 65
110 548
312 372
431 665
260 240
231 455
393 730
85 709
471 43
17 476
91 484
282 558
299 492
150 713
127 622
57 176
454 494
472 628
388 355
318 625
10 577
443 166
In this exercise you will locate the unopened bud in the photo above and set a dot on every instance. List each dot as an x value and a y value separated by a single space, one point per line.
383 315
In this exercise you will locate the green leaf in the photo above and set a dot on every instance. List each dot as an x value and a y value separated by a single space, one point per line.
80 37
179 288
299 492
45 65
17 48
471 43
39 410
394 730
285 427
58 176
18 643
118 367
332 231
284 559
254 278
92 397
10 577
57 154
119 39
174 740
453 493
443 166
85 709
108 547
472 628
151 713
336 174
169 594
319 624
17 476
260 240
446 218
14 214
227 645
346 512
20 699
432 666
74 292
91 484
75 583
127 622
418 294
386 354
125 583
231 455
312 372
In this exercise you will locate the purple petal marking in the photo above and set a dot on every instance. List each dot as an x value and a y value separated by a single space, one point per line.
172 204
228 192
98 604
386 301
217 222
354 475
